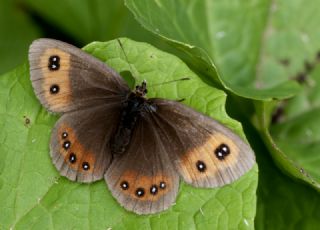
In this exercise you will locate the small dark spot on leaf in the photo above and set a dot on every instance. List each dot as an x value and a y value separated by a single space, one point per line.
318 56
301 78
285 62
27 120
277 115
308 66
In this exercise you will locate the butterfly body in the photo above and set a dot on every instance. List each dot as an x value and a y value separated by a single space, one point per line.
141 147
135 106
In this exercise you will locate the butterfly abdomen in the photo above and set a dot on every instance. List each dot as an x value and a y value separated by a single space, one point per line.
132 110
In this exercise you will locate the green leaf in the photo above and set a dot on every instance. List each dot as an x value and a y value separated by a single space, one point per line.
16 34
284 150
88 20
249 41
298 133
282 203
57 203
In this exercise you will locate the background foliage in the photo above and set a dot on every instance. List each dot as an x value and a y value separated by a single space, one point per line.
264 54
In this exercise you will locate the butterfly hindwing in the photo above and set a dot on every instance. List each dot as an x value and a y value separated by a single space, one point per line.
79 147
143 179
66 78
205 153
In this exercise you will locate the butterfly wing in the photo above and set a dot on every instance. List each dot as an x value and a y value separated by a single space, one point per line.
142 179
79 144
175 140
205 153
65 78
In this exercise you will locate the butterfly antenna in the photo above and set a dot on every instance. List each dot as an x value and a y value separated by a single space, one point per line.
131 69
168 82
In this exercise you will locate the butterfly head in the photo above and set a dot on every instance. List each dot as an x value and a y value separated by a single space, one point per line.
141 90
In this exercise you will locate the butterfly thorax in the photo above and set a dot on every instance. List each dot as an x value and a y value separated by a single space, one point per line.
135 106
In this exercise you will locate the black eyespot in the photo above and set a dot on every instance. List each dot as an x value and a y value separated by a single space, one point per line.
54 63
154 189
162 185
66 145
54 89
140 192
222 151
124 185
85 166
201 166
64 135
72 158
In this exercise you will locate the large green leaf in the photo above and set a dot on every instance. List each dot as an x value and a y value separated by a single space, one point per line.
81 22
288 152
248 41
16 33
298 133
85 21
34 196
282 202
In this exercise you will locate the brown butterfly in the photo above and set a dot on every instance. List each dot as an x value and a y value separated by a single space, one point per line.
141 146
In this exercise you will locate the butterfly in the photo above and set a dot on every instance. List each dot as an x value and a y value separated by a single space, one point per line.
141 147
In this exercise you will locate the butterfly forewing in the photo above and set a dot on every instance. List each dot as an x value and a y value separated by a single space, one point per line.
65 78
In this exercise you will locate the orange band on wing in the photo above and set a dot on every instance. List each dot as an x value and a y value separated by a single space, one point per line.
216 154
144 188
73 152
59 78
